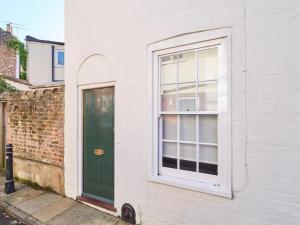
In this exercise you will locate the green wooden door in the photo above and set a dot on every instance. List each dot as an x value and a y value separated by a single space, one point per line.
98 144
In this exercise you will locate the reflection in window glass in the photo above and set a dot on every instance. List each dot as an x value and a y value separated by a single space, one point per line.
168 70
208 158
187 97
207 96
188 157
187 67
169 127
187 128
168 97
208 64
60 58
208 154
169 155
208 129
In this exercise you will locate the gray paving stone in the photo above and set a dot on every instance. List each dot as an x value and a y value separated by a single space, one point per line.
16 212
39 208
99 221
32 221
38 203
83 215
22 196
121 222
2 195
3 204
54 209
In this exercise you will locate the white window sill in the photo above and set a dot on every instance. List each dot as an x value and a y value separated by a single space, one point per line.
192 185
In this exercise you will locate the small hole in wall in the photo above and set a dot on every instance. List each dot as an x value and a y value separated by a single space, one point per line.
128 213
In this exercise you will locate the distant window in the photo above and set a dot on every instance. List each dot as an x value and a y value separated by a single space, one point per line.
60 58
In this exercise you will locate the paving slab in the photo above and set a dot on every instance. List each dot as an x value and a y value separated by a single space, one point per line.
38 203
36 207
54 209
121 222
16 212
32 221
3 204
22 196
83 215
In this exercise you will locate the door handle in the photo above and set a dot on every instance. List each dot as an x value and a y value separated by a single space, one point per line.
99 151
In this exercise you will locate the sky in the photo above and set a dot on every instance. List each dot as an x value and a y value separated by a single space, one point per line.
42 19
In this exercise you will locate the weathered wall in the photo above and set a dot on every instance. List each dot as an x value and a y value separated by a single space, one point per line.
7 60
265 127
36 130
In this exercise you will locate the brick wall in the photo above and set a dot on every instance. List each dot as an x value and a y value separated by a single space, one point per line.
7 60
35 127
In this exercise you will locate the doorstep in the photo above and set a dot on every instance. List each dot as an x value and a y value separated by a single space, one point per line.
101 204
36 207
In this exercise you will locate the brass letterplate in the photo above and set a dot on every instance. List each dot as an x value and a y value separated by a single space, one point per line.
99 151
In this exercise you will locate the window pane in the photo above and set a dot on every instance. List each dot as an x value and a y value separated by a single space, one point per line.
168 70
60 58
169 127
187 67
208 158
208 168
208 154
169 155
186 97
188 128
208 128
207 96
188 157
208 64
168 97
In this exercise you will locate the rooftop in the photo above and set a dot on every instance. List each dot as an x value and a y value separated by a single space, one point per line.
4 35
33 39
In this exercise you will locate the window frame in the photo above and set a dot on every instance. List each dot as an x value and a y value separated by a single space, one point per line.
214 184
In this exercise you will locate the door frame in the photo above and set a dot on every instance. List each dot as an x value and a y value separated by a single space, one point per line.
81 89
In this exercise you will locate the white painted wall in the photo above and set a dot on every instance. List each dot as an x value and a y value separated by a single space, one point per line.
112 46
39 64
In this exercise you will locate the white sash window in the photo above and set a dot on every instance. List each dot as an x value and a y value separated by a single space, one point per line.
191 115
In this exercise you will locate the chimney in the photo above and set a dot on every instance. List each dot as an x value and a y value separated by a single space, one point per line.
9 28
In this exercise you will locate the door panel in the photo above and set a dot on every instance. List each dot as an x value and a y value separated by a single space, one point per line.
98 135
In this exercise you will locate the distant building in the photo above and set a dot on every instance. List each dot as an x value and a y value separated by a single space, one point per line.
9 59
45 63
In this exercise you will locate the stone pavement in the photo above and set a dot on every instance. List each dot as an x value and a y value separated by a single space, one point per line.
36 207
